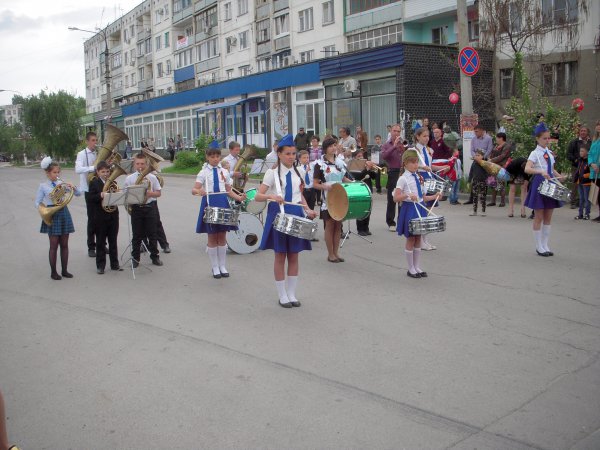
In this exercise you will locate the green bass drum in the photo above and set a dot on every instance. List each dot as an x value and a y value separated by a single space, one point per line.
347 201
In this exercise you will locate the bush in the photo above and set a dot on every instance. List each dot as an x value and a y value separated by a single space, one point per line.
187 159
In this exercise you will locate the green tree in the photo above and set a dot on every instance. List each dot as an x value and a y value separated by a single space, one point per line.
53 120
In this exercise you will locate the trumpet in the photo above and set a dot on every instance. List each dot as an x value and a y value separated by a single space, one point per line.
382 170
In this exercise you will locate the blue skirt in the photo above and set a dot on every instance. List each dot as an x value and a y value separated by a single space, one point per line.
281 242
61 223
406 214
535 200
219 200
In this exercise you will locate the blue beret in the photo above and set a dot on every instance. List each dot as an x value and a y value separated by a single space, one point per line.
540 128
214 145
286 141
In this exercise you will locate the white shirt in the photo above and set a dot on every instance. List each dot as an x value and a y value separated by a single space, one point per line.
307 170
232 160
539 162
407 185
84 164
347 142
154 184
43 193
205 178
422 157
269 180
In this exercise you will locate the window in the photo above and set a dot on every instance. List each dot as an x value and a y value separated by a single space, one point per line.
282 24
125 37
131 31
157 43
356 6
242 7
262 31
280 60
473 30
169 69
189 31
557 12
133 79
227 11
559 78
116 60
208 49
167 40
307 56
263 64
375 38
166 8
158 16
328 16
126 55
140 49
329 50
159 70
184 58
437 36
245 71
243 40
229 74
206 20
126 82
141 73
180 5
507 84
306 19
148 45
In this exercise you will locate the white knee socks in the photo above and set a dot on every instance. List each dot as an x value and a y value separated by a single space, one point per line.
214 260
292 282
545 237
416 259
283 297
537 236
410 260
222 253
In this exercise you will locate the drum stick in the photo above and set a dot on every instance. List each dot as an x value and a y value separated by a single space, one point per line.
430 211
286 203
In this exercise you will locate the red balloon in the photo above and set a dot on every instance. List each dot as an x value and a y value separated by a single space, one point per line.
454 98
577 104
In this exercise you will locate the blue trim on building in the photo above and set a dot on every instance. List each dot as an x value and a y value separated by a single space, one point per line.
364 61
276 79
184 74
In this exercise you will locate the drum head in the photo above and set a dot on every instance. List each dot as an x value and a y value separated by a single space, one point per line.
255 207
247 238
337 202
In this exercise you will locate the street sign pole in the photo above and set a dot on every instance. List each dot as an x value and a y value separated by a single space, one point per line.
466 91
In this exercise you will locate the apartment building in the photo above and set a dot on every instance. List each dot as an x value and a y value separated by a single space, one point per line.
254 70
11 114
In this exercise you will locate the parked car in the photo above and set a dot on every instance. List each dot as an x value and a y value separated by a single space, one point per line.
4 158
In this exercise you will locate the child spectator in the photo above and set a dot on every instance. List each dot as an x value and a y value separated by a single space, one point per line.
478 177
582 179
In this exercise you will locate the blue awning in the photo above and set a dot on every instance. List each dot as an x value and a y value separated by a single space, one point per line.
226 104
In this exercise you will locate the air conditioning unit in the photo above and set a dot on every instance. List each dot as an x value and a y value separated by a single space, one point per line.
232 40
132 63
351 86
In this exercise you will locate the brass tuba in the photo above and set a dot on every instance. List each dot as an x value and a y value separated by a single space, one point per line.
61 195
239 183
153 160
112 136
111 184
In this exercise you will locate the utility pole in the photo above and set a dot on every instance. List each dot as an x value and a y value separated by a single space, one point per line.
466 91
107 78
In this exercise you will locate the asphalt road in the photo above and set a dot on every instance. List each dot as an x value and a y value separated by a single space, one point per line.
497 349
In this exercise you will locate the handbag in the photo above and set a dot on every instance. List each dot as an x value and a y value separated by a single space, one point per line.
594 190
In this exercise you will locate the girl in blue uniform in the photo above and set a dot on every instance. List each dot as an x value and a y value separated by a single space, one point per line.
409 191
540 165
425 154
284 183
62 224
215 181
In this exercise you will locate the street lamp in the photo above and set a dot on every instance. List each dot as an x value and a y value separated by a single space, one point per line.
106 69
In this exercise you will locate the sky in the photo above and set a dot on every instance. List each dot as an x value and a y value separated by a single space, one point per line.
37 50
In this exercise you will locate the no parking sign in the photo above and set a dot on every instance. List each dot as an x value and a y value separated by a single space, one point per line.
469 61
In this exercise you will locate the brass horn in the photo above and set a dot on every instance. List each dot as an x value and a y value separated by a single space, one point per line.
239 183
111 184
61 195
112 136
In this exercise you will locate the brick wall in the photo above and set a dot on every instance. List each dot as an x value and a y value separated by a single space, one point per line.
429 74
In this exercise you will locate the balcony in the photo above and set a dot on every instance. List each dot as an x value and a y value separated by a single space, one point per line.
144 33
117 93
263 48
202 4
282 43
375 17
149 58
210 32
263 11
209 64
115 49
278 5
141 60
180 16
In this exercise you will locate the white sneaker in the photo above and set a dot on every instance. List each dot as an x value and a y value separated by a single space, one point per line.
392 228
428 247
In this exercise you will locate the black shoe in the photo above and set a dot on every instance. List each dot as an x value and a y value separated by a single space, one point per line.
531 216
55 276
574 206
92 253
550 253
423 274
544 254
157 262
66 274
296 304
120 269
167 249
285 305
363 233
100 271
135 264
597 219
368 233
314 240
491 204
225 274
413 275
470 202
379 191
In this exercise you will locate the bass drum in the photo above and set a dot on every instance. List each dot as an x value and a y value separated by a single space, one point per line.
246 239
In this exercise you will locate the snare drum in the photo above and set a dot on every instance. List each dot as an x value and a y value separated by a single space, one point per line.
221 216
432 186
299 227
346 201
252 206
425 225
246 239
555 191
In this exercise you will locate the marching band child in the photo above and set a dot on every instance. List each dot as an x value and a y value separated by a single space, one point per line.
284 183
425 154
308 167
540 164
213 183
409 190
62 224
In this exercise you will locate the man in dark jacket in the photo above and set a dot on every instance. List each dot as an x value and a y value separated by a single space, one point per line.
573 155
301 140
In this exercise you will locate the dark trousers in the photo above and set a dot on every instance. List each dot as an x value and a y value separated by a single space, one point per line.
390 213
107 227
574 190
91 224
310 195
161 237
479 194
376 175
144 225
363 224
